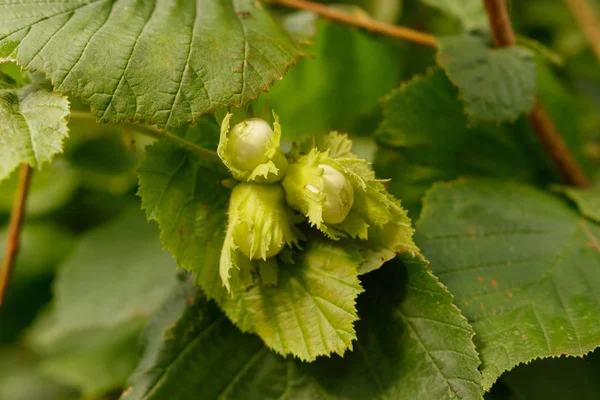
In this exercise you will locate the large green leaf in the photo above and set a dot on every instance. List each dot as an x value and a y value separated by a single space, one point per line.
166 62
496 85
42 247
32 123
310 87
309 312
470 13
428 132
21 378
413 343
523 266
118 273
96 362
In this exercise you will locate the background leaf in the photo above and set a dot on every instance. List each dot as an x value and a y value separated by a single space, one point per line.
164 62
522 266
125 256
50 188
21 378
496 85
311 87
97 362
470 13
412 342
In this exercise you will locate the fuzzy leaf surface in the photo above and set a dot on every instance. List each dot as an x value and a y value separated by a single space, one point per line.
523 266
165 62
413 343
496 85
33 124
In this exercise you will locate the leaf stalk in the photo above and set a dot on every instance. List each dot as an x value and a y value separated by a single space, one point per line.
14 230
369 24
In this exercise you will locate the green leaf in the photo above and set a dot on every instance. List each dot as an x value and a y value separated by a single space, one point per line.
21 378
310 88
96 363
470 13
104 156
33 124
587 200
522 265
163 62
496 85
413 343
42 247
118 273
425 132
311 311
50 188
561 378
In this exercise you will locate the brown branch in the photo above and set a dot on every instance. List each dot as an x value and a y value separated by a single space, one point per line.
544 127
14 230
361 22
585 14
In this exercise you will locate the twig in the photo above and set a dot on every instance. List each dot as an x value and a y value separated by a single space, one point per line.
362 22
585 14
201 152
14 230
544 127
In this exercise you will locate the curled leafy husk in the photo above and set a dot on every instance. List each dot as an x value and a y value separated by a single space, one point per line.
250 150
260 225
362 200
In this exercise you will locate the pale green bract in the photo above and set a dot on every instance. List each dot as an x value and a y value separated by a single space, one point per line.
370 204
259 226
164 62
251 152
33 125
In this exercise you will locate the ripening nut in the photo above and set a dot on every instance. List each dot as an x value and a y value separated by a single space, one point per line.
251 150
318 190
339 195
262 223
